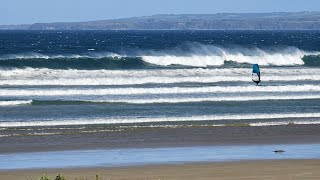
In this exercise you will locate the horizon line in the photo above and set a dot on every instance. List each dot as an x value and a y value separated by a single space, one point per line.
160 15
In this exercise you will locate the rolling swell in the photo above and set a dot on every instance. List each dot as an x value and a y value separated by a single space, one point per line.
64 62
312 61
145 62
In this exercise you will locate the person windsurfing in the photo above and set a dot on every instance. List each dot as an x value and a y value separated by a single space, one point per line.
256 74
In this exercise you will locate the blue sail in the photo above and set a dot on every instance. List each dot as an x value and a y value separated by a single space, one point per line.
256 73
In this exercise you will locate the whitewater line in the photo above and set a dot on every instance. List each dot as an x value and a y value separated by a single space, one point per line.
142 100
148 80
86 121
197 56
207 99
15 102
161 90
33 55
194 72
281 123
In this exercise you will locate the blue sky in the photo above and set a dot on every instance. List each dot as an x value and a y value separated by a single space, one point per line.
32 11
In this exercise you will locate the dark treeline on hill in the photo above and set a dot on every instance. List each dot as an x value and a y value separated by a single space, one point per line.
221 21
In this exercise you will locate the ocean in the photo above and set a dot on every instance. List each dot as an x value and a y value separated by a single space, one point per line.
62 82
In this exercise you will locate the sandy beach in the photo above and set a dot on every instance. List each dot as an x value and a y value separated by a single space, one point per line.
275 169
174 137
161 137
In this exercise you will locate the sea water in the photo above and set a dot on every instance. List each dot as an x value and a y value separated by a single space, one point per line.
68 78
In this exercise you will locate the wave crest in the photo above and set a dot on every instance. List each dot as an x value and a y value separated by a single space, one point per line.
192 56
204 56
72 122
34 55
15 103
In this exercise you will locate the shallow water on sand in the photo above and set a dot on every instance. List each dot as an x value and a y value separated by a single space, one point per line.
147 156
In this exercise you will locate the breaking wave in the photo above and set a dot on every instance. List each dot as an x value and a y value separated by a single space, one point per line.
204 56
15 103
195 56
156 91
33 55
207 99
38 77
167 100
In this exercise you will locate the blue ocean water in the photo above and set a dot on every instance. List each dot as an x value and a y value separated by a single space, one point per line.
148 49
67 78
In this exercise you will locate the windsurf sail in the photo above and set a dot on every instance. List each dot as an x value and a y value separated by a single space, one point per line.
256 73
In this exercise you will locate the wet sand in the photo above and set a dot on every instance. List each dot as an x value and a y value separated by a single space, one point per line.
163 137
173 137
275 169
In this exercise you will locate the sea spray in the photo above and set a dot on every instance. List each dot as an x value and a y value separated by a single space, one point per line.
194 56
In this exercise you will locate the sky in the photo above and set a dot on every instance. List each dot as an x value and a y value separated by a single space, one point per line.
33 11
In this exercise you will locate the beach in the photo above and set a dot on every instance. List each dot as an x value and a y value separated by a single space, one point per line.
275 169
142 137
226 152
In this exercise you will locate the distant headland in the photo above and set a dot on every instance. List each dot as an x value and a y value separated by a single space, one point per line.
221 21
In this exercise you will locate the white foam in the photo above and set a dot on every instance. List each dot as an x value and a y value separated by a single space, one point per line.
33 55
38 81
206 55
198 72
281 123
157 119
35 76
194 60
14 103
148 80
207 99
8 135
196 56
30 134
161 90
43 133
144 100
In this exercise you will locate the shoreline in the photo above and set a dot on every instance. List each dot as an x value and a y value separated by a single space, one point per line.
105 146
152 156
257 169
164 137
